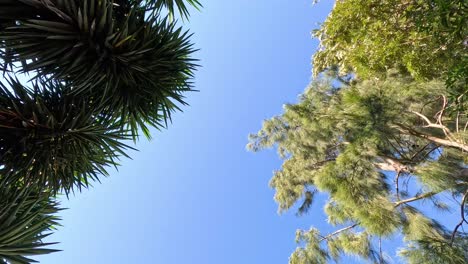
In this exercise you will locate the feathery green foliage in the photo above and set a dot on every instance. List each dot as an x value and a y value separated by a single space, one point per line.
362 144
393 132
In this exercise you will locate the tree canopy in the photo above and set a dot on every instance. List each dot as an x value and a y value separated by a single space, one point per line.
26 218
383 130
100 73
426 38
367 145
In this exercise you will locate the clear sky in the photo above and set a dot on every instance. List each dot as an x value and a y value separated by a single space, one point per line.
193 194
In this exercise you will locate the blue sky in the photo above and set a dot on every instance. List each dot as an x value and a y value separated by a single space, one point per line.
193 194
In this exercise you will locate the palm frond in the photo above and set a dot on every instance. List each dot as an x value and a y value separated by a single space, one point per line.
171 5
55 140
139 64
26 218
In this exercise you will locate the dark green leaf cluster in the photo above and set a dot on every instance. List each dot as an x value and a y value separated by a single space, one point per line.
426 38
49 138
101 72
139 65
26 218
171 5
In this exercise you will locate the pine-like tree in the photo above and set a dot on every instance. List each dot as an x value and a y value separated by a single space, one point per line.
369 146
383 130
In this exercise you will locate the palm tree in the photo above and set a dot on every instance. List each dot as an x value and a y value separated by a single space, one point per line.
100 72
138 62
52 139
26 217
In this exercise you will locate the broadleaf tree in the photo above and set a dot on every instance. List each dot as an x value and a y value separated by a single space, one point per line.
383 131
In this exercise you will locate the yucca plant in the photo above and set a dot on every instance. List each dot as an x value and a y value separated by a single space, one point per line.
171 5
100 72
26 218
52 139
139 61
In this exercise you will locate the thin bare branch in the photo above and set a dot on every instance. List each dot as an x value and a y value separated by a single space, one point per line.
439 124
441 112
381 259
397 185
422 116
463 220
419 151
337 232
387 163
440 141
416 198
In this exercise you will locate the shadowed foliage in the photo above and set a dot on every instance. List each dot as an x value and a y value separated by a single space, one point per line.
26 218
53 139
100 73
138 62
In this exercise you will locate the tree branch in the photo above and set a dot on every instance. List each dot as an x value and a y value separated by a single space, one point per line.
397 184
441 112
447 131
381 259
337 232
440 141
419 197
462 212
